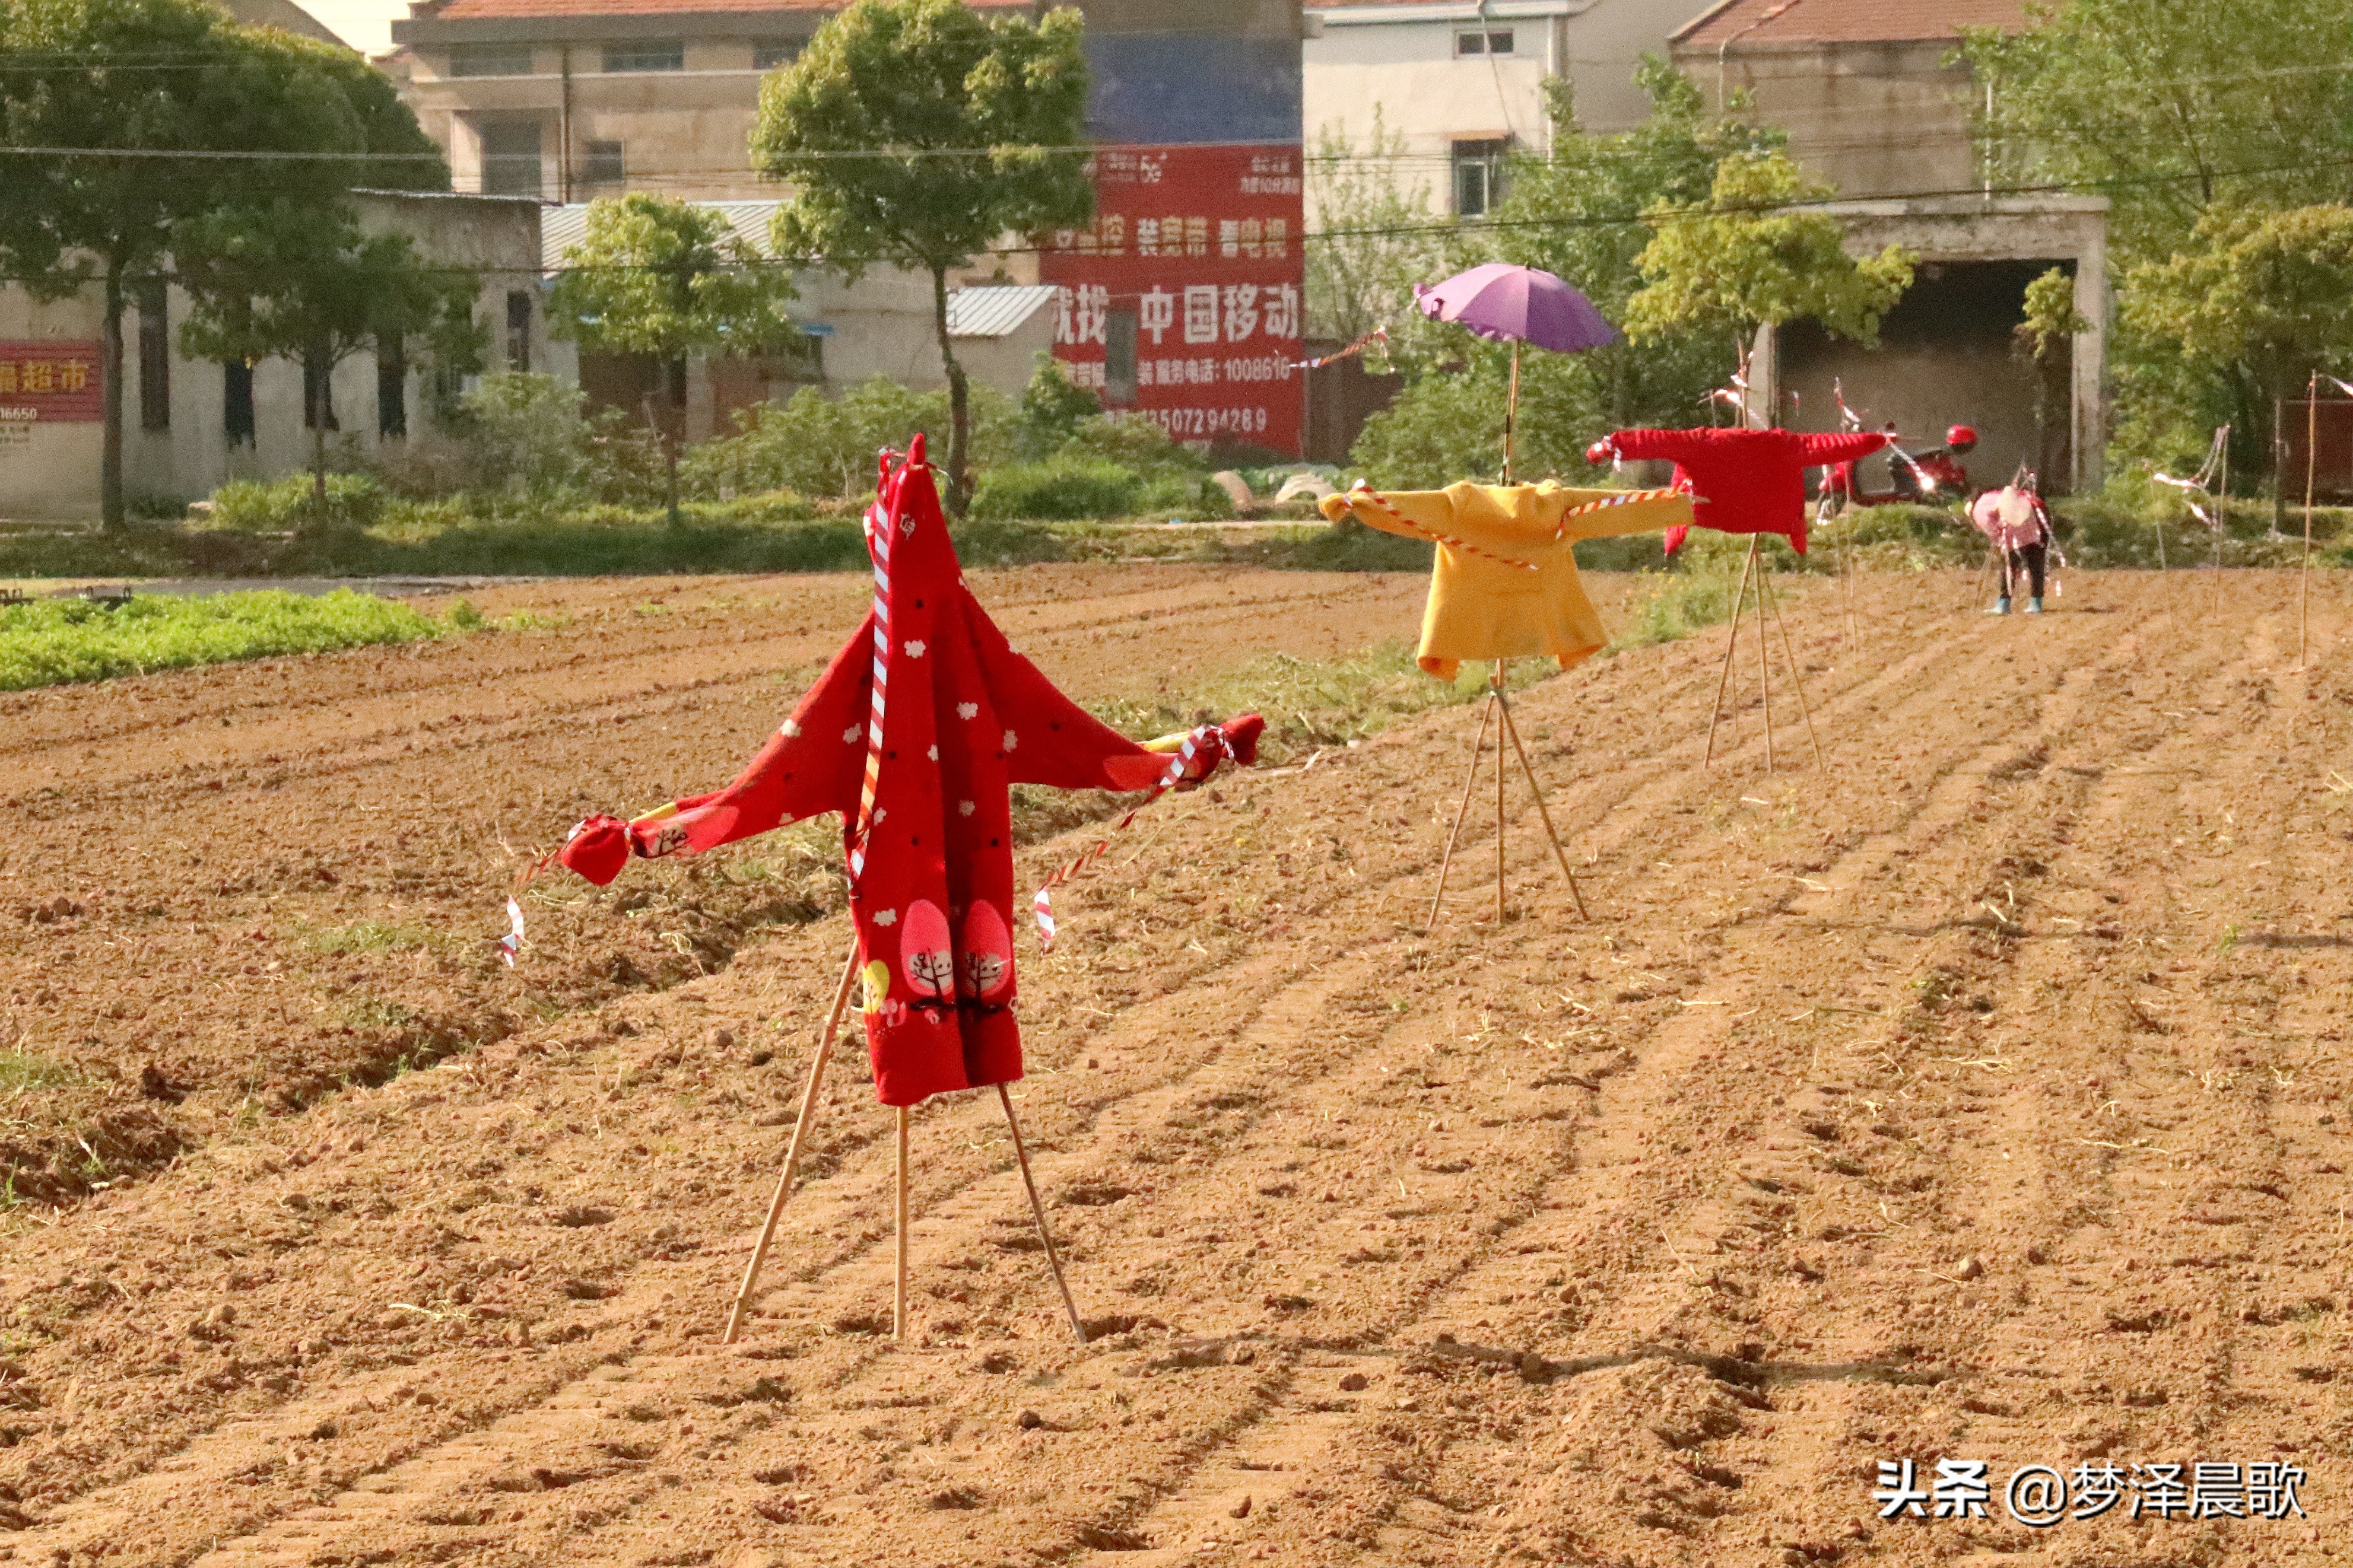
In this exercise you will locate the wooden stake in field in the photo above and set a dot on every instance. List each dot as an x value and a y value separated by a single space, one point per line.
1731 641
2311 463
2222 518
1498 707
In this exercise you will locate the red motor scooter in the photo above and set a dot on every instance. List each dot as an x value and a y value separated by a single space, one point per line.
1930 475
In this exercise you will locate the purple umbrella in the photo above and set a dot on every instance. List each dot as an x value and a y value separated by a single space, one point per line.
1515 305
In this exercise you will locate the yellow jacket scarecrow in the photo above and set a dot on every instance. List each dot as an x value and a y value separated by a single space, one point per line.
1506 584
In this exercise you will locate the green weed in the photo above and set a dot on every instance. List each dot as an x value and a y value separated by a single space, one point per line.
21 1071
369 936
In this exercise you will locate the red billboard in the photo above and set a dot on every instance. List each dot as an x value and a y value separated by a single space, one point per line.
1183 301
53 380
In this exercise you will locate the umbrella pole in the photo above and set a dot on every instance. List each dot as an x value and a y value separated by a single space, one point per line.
793 1150
1511 413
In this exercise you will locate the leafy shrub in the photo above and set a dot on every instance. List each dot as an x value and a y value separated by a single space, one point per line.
52 641
1053 408
1133 443
525 431
282 505
1062 488
821 446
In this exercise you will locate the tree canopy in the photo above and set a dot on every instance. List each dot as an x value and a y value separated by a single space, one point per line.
916 133
654 275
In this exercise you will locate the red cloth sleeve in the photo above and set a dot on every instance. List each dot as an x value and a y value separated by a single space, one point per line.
812 764
1057 742
1641 444
1841 448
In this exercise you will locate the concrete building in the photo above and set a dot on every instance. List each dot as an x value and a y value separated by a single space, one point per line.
1182 301
191 426
1461 85
1876 106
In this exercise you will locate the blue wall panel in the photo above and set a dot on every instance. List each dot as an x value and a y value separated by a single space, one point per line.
1180 88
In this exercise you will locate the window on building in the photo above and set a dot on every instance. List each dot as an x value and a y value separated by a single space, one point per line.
511 158
1119 356
236 402
1478 176
155 356
319 393
647 55
601 164
770 53
391 390
489 60
519 329
1489 41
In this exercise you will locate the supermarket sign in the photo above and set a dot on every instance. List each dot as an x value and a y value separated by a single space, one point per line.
51 381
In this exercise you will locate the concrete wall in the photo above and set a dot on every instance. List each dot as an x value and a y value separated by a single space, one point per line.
1887 119
54 473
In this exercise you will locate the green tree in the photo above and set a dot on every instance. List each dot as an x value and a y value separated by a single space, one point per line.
2172 110
292 282
654 275
1376 235
2257 296
914 133
1753 256
124 122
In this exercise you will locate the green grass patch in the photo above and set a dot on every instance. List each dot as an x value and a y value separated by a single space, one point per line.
53 641
369 936
21 1071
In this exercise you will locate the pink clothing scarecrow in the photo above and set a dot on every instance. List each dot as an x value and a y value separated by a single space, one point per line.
913 732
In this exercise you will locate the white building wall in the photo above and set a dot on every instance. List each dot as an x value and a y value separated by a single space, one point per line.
1401 60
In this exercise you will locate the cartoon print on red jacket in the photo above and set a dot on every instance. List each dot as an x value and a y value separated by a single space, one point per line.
927 771
1754 481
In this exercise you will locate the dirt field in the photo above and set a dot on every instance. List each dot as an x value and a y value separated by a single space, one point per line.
1973 1097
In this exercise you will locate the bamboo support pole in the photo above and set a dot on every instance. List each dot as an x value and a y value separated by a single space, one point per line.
1037 1209
1495 689
899 1283
1797 677
1764 657
2311 463
793 1150
1731 641
1543 812
1469 780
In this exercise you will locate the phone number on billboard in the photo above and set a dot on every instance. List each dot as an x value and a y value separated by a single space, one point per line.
1193 422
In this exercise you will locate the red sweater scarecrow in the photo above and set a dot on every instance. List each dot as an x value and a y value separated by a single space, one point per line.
1754 481
913 732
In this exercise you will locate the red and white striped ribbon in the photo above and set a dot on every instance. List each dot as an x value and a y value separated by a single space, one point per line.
1622 498
1363 494
1042 906
880 529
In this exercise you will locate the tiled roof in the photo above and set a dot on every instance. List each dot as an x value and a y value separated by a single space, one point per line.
1742 23
507 10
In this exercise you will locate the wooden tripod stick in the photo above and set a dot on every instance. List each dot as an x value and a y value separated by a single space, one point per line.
793 1150
1460 811
899 1277
1496 687
1513 730
1731 641
1053 1258
1763 658
1796 679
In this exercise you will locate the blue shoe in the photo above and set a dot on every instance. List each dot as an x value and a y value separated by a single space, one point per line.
2034 606
2001 606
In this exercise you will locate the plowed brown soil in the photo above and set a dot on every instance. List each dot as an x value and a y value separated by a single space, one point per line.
1974 1096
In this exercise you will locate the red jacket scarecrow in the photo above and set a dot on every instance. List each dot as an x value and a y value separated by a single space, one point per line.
1754 481
913 734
